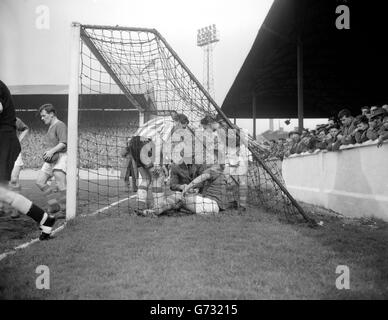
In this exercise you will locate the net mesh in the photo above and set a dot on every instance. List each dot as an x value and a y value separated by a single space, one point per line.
124 70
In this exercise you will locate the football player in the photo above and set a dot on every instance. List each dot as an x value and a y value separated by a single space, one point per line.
10 149
55 161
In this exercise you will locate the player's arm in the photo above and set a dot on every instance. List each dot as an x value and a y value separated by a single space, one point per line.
62 137
198 180
50 153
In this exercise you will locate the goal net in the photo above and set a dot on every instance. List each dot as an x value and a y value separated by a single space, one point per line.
126 78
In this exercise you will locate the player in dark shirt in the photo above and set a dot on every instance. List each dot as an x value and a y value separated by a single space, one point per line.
10 149
55 161
214 196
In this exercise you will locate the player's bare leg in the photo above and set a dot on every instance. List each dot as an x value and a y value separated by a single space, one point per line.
25 206
15 183
174 201
200 205
161 203
48 191
60 178
15 186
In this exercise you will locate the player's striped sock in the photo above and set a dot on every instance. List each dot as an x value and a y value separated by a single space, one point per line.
27 207
142 197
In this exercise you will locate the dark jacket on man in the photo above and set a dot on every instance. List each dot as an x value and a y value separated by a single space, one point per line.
183 174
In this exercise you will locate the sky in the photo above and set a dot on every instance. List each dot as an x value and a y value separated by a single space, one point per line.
36 51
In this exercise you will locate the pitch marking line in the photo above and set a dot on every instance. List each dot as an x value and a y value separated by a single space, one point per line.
107 207
60 228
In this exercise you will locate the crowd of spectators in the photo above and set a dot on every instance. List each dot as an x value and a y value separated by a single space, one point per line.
99 147
370 125
102 146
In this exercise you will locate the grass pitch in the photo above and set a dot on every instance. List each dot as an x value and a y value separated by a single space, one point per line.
116 255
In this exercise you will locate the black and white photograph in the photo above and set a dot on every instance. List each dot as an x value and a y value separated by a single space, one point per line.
206 152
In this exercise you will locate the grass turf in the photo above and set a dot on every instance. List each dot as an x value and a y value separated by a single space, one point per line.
115 255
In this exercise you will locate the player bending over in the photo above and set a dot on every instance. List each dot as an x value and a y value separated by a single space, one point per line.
142 151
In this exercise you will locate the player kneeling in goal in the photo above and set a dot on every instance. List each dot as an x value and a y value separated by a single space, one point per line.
214 196
152 176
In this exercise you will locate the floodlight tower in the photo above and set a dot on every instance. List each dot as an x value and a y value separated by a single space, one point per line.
206 38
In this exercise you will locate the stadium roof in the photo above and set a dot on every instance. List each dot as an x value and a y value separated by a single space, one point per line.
345 68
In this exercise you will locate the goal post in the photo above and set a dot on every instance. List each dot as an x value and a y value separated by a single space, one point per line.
72 123
120 69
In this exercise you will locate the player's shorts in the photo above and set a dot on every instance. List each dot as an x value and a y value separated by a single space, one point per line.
59 165
10 149
19 161
135 146
201 205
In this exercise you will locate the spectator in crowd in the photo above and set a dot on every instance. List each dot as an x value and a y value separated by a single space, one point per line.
306 143
346 135
333 120
293 141
332 138
281 148
385 107
376 127
373 109
365 111
305 133
383 134
321 142
360 133
272 148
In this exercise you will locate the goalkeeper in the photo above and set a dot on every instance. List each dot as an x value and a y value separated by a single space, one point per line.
10 149
55 161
